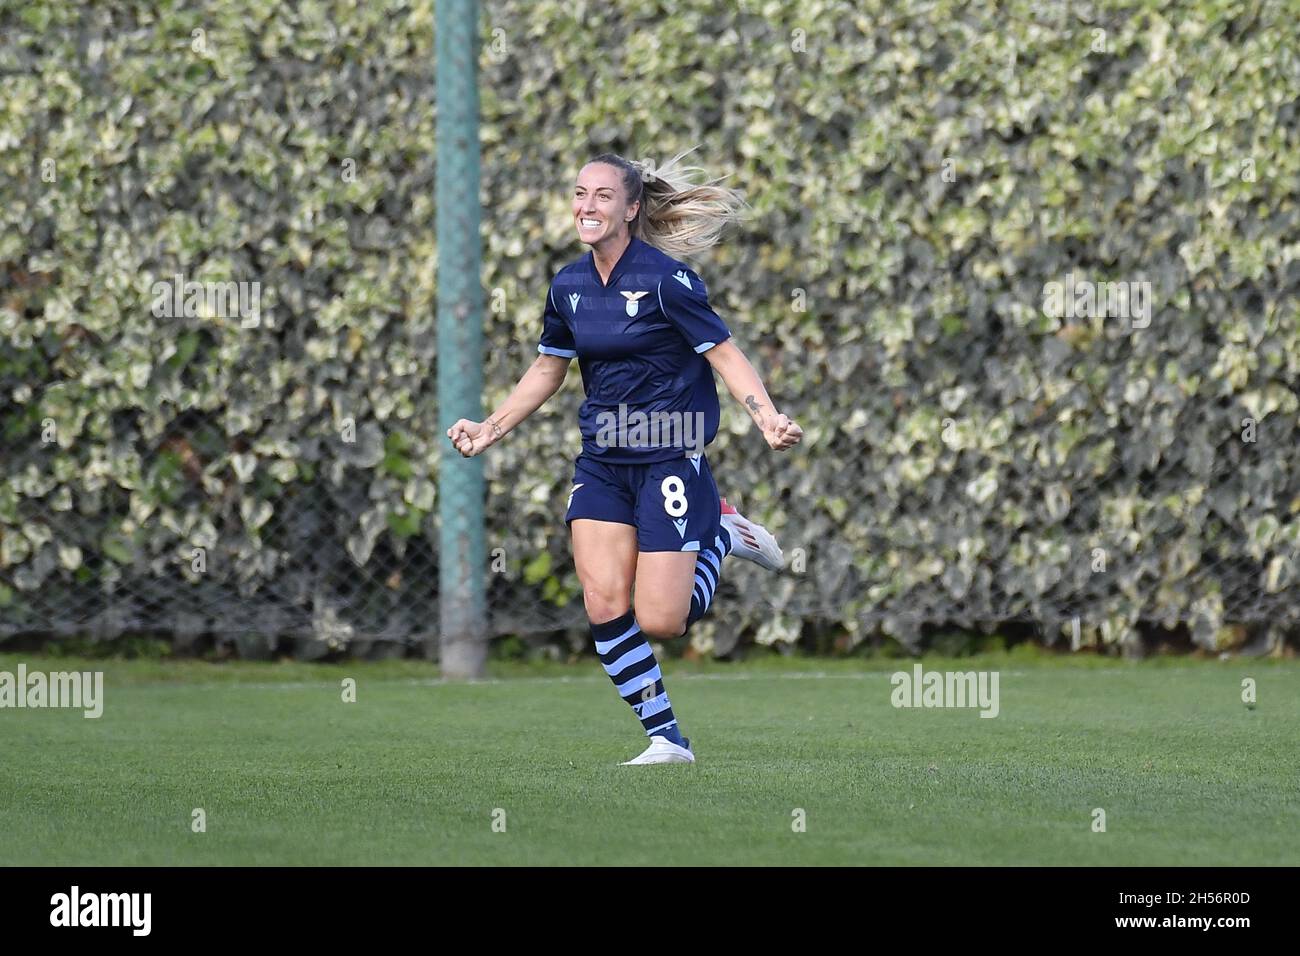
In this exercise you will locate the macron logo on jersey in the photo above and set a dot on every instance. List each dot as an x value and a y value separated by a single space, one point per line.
683 278
573 302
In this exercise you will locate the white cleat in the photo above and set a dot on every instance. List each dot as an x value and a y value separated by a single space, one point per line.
662 750
751 541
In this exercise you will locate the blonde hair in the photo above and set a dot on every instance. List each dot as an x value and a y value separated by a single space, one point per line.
678 215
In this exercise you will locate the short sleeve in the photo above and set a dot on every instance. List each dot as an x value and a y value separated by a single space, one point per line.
685 303
557 337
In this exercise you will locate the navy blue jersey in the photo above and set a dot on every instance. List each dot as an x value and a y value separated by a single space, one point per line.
639 341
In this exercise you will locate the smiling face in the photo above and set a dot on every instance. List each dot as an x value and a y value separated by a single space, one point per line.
600 207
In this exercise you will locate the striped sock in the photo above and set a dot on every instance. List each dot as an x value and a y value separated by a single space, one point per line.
708 572
630 663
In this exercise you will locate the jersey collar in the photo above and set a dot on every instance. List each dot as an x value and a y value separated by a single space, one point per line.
625 260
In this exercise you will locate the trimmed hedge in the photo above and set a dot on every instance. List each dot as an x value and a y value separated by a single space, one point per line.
920 174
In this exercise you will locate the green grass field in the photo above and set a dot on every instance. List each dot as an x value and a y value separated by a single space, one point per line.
287 773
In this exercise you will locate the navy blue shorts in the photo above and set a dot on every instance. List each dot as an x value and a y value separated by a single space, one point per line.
673 504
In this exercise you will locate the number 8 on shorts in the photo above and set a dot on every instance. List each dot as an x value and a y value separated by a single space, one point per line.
674 496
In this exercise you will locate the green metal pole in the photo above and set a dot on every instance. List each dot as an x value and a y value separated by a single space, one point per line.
462 558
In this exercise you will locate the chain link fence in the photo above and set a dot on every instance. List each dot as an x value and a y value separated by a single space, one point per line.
313 566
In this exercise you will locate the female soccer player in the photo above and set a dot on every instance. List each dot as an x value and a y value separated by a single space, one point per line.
644 510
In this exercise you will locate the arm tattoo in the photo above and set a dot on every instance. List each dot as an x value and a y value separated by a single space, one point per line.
754 407
496 429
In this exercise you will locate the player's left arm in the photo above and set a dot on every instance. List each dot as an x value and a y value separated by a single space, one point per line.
743 382
685 303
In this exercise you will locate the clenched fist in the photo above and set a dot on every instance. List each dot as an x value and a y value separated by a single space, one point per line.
784 433
472 438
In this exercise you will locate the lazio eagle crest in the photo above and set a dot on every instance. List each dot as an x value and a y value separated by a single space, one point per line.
633 300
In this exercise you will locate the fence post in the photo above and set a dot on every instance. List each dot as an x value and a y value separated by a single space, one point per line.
462 556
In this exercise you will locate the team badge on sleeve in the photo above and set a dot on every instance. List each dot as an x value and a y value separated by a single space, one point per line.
633 300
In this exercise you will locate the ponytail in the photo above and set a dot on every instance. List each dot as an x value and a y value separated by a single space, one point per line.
678 215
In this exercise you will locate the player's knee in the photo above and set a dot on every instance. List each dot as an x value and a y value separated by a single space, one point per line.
605 603
659 626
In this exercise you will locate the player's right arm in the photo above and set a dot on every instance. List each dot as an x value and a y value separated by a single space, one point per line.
542 380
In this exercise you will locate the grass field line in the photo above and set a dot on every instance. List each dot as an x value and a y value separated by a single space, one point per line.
492 681
601 678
